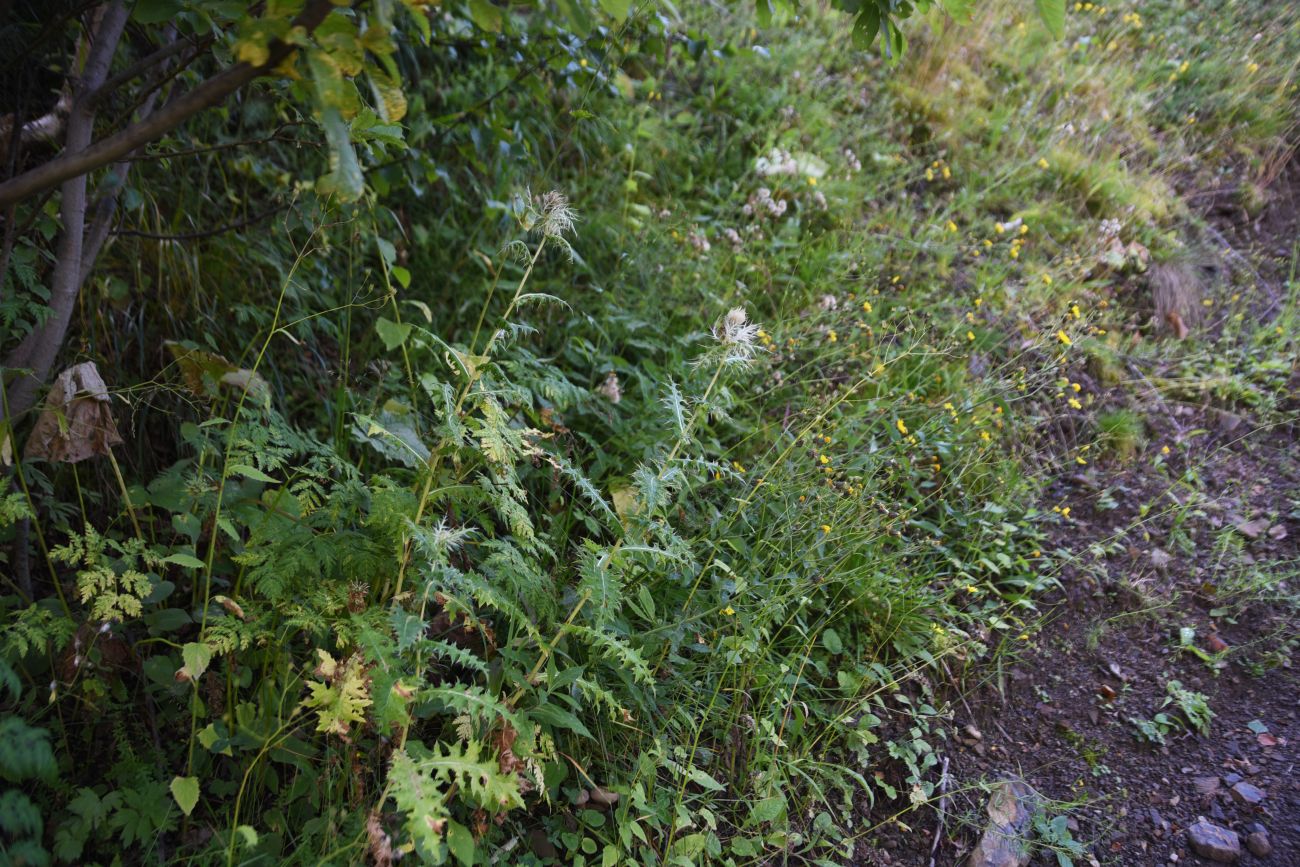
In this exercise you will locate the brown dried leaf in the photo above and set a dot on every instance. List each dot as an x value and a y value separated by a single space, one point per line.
77 422
206 373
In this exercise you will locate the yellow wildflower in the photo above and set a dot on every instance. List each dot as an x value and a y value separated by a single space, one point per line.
902 428
1064 338
729 611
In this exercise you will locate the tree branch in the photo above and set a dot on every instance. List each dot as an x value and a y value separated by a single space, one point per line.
146 63
204 233
73 163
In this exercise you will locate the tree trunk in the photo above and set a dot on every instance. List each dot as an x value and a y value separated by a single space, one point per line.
39 349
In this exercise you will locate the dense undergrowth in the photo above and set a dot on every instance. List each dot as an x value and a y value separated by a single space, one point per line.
635 522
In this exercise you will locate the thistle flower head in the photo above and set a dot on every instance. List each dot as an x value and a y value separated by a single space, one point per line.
736 334
555 217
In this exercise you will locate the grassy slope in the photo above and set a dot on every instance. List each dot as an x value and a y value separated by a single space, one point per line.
908 299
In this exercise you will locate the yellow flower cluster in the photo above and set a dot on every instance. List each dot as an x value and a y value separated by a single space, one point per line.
938 168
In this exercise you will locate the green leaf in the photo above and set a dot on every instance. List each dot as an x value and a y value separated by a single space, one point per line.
460 841
155 11
486 16
831 641
704 780
866 27
344 178
251 473
559 718
196 657
393 334
1053 14
186 792
960 10
402 276
189 561
766 810
616 8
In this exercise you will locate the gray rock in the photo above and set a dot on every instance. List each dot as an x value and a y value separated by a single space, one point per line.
1253 529
1259 845
1248 794
1211 841
1005 840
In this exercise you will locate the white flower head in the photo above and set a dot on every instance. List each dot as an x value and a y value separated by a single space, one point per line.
736 334
556 218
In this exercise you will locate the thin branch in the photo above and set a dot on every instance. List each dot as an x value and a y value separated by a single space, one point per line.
189 152
149 62
206 233
118 145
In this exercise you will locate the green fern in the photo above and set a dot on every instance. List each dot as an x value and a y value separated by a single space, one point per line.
35 628
25 752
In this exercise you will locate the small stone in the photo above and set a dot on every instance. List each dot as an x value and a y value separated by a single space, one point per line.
1003 844
1248 794
1253 529
541 846
1207 786
1211 841
1259 845
1232 779
604 797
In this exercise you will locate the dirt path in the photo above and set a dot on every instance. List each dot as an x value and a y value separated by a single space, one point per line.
1166 582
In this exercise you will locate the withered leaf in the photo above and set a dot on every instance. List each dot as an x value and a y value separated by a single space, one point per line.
77 422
